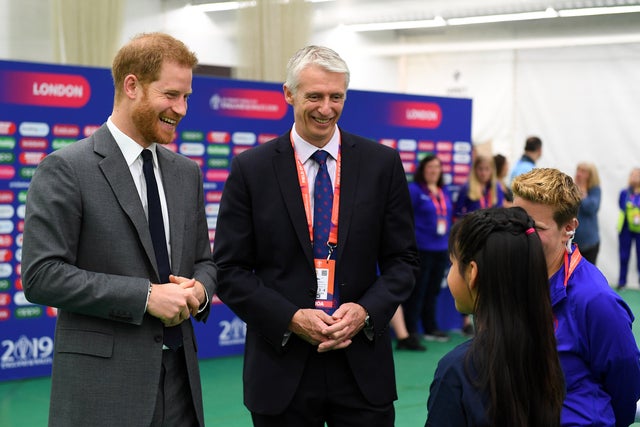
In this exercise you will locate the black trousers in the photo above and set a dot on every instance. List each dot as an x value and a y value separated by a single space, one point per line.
328 393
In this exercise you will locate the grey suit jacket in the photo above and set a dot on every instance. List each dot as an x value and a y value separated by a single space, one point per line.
87 250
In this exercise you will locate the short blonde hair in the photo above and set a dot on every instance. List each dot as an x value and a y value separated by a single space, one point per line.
594 178
548 186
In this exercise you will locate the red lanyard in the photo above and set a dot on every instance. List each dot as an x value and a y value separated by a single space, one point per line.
570 265
485 200
306 198
439 202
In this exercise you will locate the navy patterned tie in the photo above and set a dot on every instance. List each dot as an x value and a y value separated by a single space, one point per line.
322 204
172 335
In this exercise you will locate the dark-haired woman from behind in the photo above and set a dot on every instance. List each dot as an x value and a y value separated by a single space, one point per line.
509 373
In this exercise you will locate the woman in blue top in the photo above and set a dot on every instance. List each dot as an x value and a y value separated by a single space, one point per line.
481 190
629 225
432 214
588 235
597 348
509 374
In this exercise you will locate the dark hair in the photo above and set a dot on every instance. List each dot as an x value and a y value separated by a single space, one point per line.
418 175
513 357
533 143
499 160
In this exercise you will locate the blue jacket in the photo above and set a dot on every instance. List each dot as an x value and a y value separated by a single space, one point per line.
426 219
453 400
524 165
465 205
587 233
597 349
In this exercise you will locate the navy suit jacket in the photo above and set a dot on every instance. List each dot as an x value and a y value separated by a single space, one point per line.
266 272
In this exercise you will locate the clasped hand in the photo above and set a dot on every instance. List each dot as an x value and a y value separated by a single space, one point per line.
175 301
329 332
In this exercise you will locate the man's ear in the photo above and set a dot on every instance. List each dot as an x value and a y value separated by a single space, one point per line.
130 86
288 95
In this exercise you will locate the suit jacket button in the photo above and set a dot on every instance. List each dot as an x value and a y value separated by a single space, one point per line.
158 339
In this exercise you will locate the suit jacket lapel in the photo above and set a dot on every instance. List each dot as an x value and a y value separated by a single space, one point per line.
172 182
350 173
117 173
285 170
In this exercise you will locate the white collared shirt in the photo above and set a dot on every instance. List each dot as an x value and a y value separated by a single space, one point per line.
305 150
132 151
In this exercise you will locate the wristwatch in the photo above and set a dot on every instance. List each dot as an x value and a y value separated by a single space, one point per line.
367 321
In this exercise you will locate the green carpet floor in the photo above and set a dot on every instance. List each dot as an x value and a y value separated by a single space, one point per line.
24 403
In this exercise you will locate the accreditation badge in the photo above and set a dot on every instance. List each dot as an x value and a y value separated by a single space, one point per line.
325 273
441 226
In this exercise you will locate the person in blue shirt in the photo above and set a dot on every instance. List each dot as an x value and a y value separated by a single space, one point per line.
629 225
532 152
597 348
509 374
432 212
481 190
588 234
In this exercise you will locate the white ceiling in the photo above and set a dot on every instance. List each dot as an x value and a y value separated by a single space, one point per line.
365 11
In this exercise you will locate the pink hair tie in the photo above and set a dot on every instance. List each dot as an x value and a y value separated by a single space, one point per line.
530 230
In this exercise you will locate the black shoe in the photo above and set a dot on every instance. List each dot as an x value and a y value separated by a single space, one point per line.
410 343
436 335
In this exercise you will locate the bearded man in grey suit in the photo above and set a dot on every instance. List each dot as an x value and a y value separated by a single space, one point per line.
88 251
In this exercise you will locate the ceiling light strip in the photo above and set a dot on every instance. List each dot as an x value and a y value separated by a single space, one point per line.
487 19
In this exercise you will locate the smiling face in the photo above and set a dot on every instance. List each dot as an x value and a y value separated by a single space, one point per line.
317 103
432 171
483 171
158 107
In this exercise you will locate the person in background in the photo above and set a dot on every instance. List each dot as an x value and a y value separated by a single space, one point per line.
501 165
125 350
480 192
593 325
405 341
317 298
432 212
532 152
629 225
587 235
509 373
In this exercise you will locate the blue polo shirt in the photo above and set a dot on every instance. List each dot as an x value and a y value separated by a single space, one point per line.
597 349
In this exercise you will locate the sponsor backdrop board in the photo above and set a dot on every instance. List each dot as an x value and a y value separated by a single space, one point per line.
44 107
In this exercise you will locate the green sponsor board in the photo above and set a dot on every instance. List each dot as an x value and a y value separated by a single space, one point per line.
29 312
61 143
7 143
218 150
192 136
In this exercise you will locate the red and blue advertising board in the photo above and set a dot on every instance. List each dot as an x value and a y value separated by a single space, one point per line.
44 107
